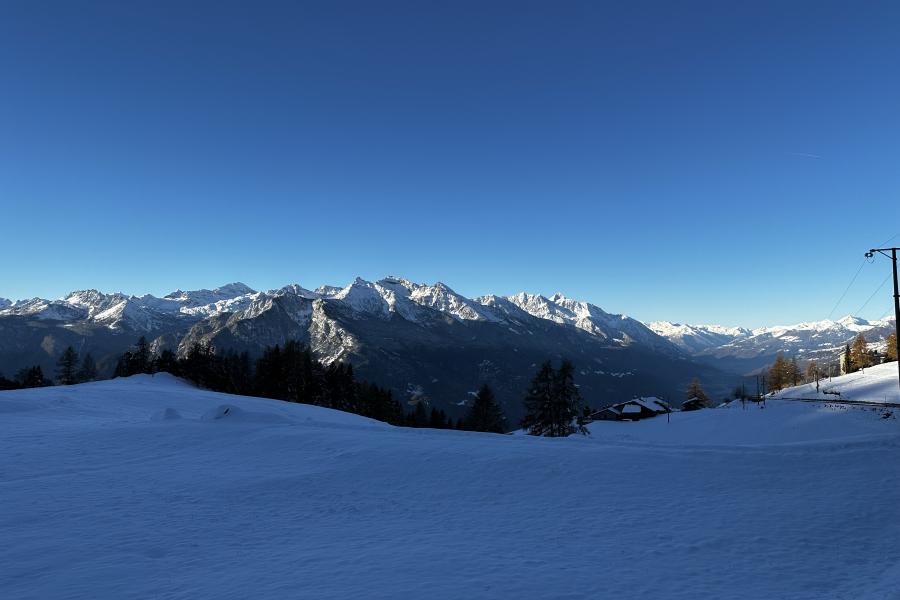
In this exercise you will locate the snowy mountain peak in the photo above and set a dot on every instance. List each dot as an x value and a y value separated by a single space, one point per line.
296 290
618 329
205 297
327 291
855 323
440 297
4 303
363 297
85 298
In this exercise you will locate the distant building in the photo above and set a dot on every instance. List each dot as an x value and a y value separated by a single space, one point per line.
694 403
632 410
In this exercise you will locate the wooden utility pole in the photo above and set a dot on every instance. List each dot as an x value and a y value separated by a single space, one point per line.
893 257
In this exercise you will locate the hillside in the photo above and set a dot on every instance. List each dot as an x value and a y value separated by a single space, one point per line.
147 487
873 384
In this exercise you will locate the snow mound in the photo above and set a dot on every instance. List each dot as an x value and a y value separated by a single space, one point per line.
236 414
167 414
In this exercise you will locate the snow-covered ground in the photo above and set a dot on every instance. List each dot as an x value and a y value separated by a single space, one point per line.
149 488
874 384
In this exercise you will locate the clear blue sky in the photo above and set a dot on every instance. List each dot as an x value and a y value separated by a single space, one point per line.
700 162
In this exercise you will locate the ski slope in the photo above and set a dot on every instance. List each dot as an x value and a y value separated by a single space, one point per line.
149 488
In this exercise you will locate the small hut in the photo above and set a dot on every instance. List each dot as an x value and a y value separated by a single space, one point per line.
632 410
694 403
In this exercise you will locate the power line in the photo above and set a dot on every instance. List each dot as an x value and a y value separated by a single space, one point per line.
849 285
872 296
889 240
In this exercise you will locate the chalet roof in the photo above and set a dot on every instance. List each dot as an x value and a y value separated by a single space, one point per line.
652 403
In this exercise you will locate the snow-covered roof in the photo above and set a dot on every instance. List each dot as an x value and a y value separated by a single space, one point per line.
653 403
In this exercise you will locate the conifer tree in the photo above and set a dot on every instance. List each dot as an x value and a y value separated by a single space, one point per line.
67 367
891 351
848 365
539 416
88 369
485 414
141 357
32 377
7 384
568 399
420 415
166 362
553 403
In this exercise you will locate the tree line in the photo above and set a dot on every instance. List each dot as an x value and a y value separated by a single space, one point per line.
292 373
857 355
786 372
553 403
70 369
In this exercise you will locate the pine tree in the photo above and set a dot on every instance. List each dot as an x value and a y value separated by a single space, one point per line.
7 384
891 351
553 404
437 419
485 414
848 365
166 362
88 369
141 357
32 377
538 418
419 416
568 399
695 390
66 367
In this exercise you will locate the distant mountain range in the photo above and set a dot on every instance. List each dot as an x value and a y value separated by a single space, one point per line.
423 341
748 350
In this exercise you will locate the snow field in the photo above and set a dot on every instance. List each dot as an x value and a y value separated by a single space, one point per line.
149 488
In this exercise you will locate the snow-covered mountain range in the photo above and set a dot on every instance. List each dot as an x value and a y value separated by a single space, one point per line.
743 350
380 299
406 335
413 336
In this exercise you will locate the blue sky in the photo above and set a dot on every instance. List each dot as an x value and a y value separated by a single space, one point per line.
705 162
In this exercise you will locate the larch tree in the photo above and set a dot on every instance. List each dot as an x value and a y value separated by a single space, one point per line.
859 353
891 351
695 390
812 371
